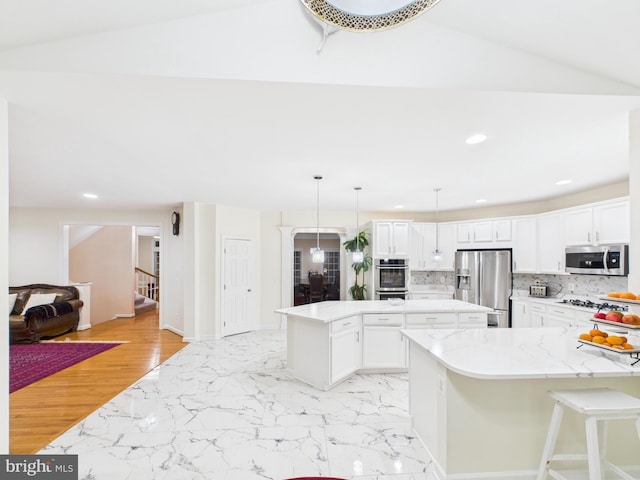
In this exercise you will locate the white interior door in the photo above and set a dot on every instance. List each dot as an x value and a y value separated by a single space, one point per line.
237 289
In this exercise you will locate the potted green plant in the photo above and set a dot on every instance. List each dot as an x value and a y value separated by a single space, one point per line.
358 291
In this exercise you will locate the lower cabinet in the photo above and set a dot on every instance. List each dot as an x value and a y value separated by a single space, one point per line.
383 347
519 314
346 350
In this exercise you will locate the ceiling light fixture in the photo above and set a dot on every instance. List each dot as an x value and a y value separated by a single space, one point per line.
317 255
481 200
475 139
358 255
563 182
399 206
358 16
437 254
90 195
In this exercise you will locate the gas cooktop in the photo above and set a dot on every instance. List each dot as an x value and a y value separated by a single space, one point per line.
594 305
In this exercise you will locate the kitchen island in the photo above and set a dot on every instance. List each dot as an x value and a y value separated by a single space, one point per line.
479 398
329 341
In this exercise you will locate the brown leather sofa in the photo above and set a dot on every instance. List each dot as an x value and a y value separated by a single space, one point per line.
43 321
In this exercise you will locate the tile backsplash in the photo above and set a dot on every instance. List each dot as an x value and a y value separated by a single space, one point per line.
588 285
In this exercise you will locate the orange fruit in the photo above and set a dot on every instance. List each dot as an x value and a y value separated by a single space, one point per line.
615 340
638 297
614 294
585 336
628 295
628 346
618 347
598 339
598 333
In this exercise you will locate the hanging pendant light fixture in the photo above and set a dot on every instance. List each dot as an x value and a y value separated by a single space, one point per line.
437 254
358 255
317 255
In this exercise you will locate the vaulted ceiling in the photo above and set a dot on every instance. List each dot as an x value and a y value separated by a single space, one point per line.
149 103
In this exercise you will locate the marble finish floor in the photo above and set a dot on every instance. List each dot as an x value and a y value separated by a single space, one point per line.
227 409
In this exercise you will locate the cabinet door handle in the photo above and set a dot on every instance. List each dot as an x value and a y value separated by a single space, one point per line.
589 237
597 237
358 337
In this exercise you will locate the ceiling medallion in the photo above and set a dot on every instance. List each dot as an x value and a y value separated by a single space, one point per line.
365 17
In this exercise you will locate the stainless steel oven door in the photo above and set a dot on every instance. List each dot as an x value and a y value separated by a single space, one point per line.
391 275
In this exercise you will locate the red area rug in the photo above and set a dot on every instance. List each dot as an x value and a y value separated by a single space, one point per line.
32 362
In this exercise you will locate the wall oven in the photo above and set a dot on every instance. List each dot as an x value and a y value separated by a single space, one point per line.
598 260
391 278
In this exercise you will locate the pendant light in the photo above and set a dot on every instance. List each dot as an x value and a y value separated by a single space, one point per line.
358 255
437 254
317 255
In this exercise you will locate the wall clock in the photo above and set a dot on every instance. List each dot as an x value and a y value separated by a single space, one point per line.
175 221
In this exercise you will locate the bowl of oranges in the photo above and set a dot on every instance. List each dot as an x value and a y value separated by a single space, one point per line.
599 338
627 296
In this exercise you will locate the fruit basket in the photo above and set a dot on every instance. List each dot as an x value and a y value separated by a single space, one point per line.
629 326
634 354
621 300
613 343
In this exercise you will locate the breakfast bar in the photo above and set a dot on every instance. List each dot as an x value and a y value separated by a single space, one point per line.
479 399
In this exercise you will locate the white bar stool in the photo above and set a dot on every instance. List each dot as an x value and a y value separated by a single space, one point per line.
594 404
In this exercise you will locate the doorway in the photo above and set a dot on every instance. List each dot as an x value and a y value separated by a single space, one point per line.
303 267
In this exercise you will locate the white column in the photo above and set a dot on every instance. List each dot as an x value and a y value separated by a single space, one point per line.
4 274
634 194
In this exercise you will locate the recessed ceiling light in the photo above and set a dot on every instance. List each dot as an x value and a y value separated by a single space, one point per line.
474 139
90 195
563 182
481 200
399 206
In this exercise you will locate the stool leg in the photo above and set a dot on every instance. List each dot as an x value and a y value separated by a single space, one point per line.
550 442
593 452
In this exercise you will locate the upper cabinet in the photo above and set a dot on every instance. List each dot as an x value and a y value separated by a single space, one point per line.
551 243
484 234
391 239
423 244
598 225
525 245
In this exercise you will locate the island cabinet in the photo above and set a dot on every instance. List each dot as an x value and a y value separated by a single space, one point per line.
383 344
329 341
323 354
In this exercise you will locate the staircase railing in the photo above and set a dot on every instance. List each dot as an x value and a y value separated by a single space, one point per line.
147 284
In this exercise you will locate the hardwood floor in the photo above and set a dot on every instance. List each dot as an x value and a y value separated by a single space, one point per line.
44 410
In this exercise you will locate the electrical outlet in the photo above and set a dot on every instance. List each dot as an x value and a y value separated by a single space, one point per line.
443 279
572 287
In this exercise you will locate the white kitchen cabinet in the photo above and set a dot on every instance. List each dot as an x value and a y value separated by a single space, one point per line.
520 314
383 347
612 223
598 225
472 320
537 313
423 244
551 243
346 349
525 245
486 233
391 239
559 317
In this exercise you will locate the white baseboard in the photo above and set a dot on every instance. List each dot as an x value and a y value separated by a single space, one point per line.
123 315
86 326
174 330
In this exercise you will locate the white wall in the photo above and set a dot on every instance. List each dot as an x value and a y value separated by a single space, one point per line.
4 274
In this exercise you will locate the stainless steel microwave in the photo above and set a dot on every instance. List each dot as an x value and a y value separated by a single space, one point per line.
600 260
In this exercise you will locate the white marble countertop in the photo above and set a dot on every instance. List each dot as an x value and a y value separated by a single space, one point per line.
335 310
521 353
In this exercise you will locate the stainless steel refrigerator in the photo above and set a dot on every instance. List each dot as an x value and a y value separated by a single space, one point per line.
484 277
